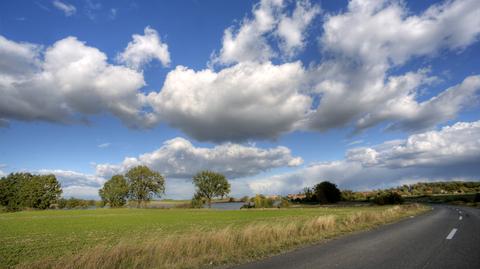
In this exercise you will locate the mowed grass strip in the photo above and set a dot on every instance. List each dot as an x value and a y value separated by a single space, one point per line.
175 238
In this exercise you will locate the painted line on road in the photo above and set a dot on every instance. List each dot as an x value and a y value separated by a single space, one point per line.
460 218
451 234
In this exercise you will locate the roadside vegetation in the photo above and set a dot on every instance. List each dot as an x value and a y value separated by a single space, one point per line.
175 238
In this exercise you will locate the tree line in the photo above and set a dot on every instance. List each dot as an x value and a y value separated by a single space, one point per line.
139 185
24 190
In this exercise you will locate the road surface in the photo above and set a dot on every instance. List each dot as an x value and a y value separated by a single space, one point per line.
446 237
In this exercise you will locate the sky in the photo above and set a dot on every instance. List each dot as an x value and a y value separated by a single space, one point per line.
277 95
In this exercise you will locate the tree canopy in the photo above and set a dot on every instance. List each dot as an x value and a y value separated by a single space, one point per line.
144 184
327 192
210 185
115 191
24 190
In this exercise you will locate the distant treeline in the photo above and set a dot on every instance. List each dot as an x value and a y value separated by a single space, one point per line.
417 189
19 191
452 187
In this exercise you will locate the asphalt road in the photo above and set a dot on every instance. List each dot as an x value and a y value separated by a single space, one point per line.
426 241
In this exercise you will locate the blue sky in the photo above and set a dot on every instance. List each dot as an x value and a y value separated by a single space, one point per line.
278 95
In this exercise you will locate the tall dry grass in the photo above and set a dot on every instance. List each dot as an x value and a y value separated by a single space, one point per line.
228 245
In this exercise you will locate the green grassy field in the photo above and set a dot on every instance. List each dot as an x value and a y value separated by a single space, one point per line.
35 235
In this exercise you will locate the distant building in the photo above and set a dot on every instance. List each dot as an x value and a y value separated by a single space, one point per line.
296 196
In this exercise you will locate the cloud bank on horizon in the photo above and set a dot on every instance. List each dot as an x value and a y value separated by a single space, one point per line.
257 87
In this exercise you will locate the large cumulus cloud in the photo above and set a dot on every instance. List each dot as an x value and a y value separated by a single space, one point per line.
179 158
67 83
248 100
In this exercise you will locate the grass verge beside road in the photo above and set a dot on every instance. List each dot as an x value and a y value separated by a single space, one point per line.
136 238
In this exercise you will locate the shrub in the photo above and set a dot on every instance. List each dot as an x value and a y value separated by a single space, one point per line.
388 198
284 203
477 198
261 201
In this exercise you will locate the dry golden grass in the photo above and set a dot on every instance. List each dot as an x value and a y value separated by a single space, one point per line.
228 245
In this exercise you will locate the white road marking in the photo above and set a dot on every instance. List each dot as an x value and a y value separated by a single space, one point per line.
460 218
451 234
459 212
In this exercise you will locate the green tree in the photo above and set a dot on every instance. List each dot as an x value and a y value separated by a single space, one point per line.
327 192
260 201
40 191
144 184
115 191
24 190
210 185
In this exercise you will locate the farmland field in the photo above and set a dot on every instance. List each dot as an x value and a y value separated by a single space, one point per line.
32 236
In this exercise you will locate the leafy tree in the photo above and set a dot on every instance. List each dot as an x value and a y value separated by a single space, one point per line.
348 195
10 190
309 195
260 201
144 184
327 192
115 191
210 185
24 190
40 191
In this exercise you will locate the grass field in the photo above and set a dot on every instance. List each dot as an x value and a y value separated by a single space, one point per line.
58 237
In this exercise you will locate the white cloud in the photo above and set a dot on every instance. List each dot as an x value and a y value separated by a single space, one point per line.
113 13
247 100
178 158
291 29
253 98
71 81
145 48
71 178
67 9
104 145
17 59
413 116
388 29
367 41
452 144
250 42
83 192
448 154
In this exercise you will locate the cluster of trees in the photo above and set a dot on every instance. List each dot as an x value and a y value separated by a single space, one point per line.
139 184
262 201
75 203
324 193
423 188
20 191
327 193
